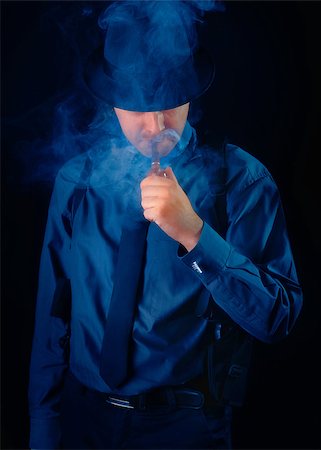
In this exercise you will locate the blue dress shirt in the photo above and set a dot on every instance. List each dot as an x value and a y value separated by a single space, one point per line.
248 271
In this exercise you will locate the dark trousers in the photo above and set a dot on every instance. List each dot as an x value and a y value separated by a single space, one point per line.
89 422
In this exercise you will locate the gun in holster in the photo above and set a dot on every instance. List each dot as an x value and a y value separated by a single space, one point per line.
228 354
229 358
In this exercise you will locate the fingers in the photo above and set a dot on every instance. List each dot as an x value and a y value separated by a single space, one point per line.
158 193
154 180
155 199
149 214
149 202
170 174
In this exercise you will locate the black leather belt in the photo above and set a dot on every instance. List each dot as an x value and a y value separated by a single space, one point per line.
175 397
159 398
164 397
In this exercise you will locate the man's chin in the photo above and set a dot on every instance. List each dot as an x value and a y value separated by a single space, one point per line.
146 150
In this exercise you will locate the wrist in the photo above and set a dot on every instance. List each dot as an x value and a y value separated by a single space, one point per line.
191 238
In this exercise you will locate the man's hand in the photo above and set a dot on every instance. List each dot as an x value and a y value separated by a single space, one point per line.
165 203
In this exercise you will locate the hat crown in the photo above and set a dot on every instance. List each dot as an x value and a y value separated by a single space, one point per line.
150 60
138 42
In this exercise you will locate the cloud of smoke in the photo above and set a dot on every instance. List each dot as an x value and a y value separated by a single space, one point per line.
78 122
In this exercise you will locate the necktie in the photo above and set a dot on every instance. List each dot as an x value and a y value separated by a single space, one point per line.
120 317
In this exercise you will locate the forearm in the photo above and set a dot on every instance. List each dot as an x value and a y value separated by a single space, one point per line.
264 303
191 235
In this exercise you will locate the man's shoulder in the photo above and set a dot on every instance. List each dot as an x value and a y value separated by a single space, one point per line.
73 171
244 167
68 178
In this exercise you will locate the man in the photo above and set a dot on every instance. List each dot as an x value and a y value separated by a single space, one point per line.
204 236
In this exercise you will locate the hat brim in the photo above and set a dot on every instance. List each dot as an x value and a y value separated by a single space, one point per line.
154 90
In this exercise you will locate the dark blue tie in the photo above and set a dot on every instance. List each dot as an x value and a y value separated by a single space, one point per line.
116 343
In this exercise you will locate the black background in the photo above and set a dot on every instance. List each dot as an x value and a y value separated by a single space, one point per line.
266 98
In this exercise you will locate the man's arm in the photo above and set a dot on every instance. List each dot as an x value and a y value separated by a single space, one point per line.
48 361
250 274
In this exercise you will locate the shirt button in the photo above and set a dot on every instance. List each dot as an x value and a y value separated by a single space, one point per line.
196 267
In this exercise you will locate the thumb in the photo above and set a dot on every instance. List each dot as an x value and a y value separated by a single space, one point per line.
170 174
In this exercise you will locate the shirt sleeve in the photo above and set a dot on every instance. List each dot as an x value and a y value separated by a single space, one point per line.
251 274
48 361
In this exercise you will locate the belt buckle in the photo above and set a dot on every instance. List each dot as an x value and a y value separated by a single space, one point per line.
121 403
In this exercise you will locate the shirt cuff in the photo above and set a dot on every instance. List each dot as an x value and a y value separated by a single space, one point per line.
209 256
45 433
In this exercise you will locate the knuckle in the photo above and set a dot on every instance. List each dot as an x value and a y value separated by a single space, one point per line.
143 183
146 215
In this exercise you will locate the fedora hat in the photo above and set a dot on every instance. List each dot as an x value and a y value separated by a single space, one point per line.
149 60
